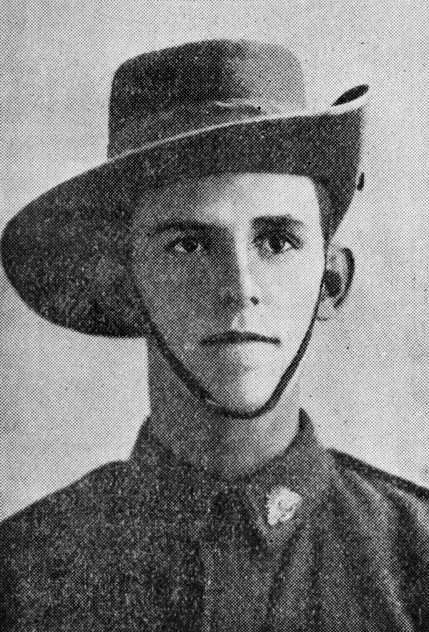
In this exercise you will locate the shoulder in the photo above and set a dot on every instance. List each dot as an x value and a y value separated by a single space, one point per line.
102 496
60 551
382 507
352 468
379 525
46 539
65 515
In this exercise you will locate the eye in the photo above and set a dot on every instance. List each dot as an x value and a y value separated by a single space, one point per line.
189 244
274 243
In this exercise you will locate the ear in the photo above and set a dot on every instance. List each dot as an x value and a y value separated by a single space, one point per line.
340 266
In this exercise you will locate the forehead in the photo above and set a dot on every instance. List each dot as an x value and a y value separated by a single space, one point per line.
229 199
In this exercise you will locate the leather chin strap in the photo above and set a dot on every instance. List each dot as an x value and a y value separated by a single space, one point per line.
198 391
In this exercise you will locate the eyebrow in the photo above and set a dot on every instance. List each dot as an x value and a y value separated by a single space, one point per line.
177 225
266 221
277 221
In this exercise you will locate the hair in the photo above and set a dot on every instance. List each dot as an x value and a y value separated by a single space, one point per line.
325 208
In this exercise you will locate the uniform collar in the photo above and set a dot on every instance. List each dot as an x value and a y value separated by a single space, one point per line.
185 494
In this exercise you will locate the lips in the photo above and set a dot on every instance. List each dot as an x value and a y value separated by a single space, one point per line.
237 337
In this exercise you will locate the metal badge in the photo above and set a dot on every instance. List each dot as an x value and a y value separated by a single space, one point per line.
281 505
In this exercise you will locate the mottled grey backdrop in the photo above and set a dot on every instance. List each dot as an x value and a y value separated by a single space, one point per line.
69 403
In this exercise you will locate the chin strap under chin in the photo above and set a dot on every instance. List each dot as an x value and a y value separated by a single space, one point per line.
198 391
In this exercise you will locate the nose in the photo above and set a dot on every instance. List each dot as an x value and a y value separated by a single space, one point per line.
239 287
230 297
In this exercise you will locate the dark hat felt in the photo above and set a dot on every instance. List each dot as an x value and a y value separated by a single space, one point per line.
189 111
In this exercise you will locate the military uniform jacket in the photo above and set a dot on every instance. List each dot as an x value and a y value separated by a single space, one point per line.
155 544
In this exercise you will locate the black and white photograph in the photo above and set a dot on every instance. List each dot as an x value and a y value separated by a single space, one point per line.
214 316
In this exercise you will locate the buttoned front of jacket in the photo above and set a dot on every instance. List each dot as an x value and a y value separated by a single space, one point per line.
154 544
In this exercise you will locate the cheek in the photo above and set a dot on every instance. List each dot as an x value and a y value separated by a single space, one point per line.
293 289
177 296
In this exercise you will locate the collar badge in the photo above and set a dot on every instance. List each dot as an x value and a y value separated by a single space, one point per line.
281 505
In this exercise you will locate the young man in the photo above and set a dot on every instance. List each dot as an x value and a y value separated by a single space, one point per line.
209 231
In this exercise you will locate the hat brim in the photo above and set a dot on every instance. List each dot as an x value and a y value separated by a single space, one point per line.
49 248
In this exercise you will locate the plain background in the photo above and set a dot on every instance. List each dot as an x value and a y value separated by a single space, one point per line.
69 402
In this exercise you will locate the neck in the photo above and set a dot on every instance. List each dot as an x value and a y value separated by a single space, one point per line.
225 447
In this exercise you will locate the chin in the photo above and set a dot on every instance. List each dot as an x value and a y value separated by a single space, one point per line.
243 398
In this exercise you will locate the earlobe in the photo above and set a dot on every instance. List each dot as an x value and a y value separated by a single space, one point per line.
337 280
332 283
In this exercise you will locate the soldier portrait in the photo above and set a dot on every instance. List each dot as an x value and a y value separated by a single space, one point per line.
213 234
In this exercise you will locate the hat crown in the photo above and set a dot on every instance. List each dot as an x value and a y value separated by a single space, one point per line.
197 73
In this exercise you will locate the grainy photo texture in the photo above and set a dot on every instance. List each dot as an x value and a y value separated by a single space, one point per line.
214 317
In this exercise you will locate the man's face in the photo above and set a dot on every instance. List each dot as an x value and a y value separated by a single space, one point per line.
229 268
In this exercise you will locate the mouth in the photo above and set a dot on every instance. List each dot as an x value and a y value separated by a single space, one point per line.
237 337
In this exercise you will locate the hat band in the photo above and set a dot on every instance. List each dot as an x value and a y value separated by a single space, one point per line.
140 130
